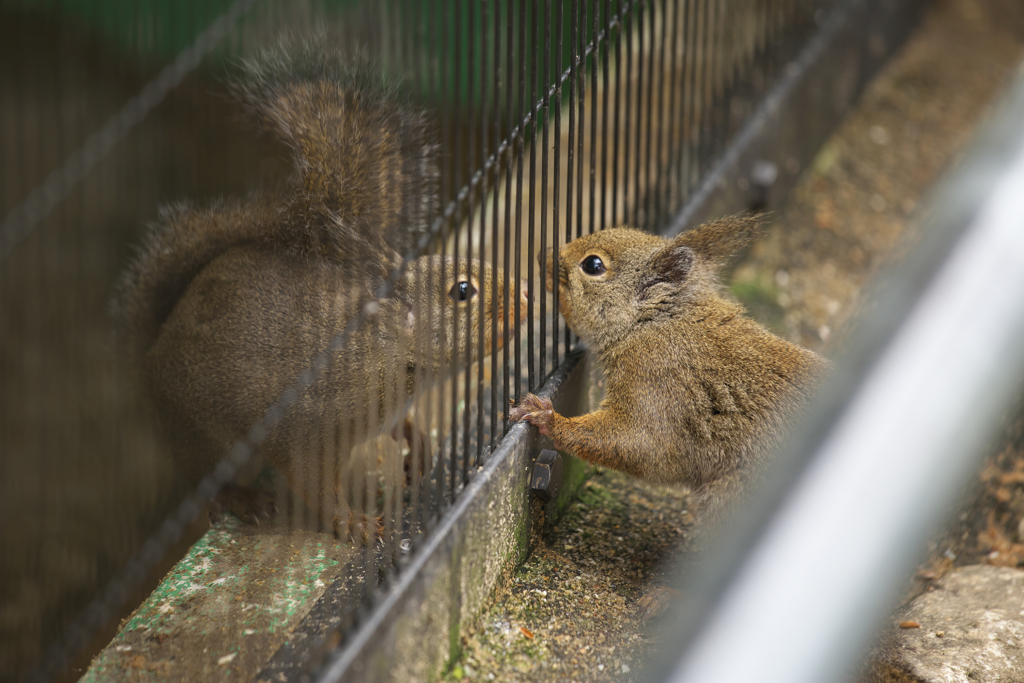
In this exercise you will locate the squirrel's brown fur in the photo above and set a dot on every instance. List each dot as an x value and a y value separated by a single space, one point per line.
696 393
226 306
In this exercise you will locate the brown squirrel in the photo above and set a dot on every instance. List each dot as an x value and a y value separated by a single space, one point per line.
226 306
696 393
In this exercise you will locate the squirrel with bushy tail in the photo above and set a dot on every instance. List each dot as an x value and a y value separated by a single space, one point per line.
696 393
227 305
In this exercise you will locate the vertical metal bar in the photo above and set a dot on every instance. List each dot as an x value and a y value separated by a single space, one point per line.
452 101
639 112
424 52
685 95
660 165
386 23
398 43
519 123
675 115
555 234
394 515
741 62
429 48
482 313
593 117
719 120
533 380
422 492
447 422
763 27
494 223
620 99
469 130
546 108
696 96
707 102
509 61
649 183
441 49
573 52
627 106
581 61
573 49
604 112
417 457
360 498
394 493
699 68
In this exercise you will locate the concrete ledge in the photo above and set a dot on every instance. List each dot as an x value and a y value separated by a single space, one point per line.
413 633
225 608
968 630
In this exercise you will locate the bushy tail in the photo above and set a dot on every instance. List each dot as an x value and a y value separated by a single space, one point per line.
178 245
365 188
366 160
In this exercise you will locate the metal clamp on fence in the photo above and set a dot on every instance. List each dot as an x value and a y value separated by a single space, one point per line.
547 475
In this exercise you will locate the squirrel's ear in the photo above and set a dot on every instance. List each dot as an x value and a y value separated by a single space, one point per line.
719 239
673 263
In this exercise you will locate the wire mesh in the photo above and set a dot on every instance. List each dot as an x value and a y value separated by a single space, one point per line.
546 119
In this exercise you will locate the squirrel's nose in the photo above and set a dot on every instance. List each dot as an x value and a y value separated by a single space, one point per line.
549 253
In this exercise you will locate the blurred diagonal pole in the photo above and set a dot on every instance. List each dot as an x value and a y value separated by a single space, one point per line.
931 372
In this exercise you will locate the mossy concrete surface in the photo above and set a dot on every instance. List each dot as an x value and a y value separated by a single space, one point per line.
225 608
238 595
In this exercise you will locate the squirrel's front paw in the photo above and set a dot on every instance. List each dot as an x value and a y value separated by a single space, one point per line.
536 410
360 529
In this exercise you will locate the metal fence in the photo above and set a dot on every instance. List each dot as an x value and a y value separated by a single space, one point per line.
551 119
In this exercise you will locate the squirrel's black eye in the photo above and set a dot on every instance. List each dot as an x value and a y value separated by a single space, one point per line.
592 265
462 291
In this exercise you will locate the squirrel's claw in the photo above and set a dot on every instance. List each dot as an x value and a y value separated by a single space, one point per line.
536 410
360 529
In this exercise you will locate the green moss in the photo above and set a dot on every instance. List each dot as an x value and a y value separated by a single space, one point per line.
593 494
